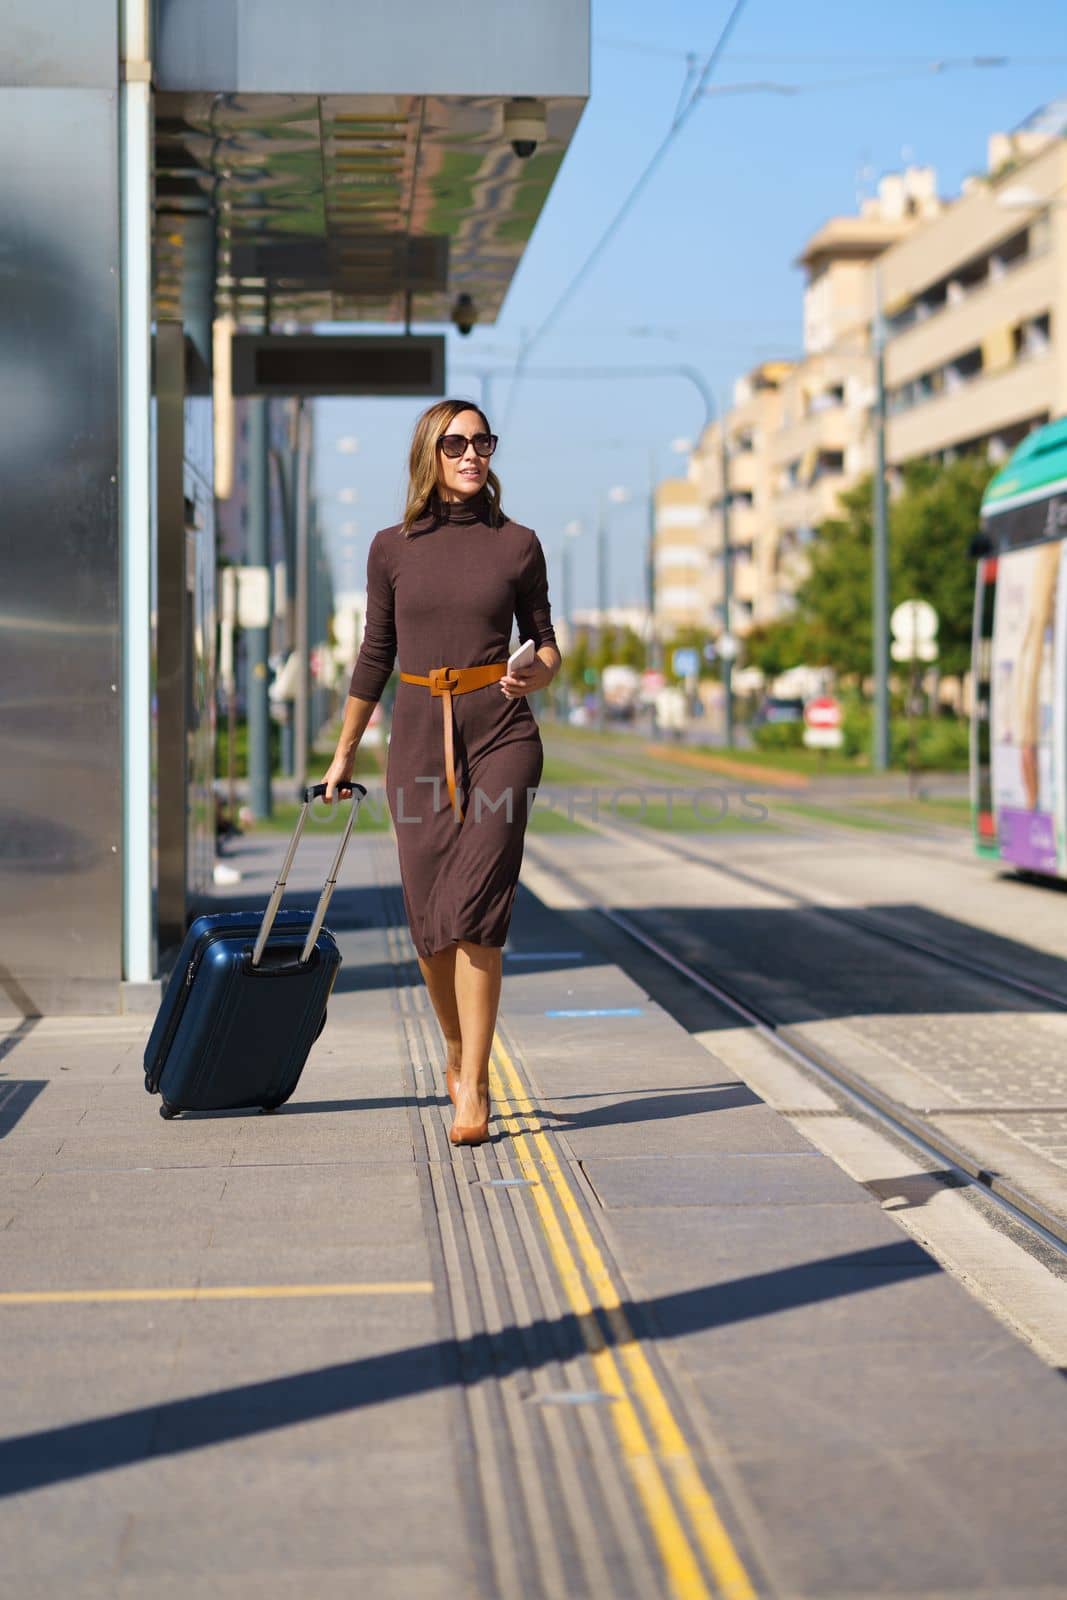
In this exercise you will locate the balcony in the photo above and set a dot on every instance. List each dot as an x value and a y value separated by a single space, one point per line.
1017 297
744 471
808 506
832 429
989 403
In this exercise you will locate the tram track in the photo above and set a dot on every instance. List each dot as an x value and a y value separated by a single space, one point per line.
788 808
931 1143
844 914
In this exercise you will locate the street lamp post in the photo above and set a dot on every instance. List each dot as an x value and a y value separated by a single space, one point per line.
571 532
727 587
601 601
617 496
650 565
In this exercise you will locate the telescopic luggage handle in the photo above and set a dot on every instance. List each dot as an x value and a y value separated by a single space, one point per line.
359 794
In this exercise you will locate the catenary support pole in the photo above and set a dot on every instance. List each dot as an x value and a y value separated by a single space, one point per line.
880 552
652 659
727 581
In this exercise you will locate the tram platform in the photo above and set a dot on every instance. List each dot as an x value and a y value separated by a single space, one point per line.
648 1341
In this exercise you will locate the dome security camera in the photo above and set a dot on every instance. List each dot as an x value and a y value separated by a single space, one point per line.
524 125
463 314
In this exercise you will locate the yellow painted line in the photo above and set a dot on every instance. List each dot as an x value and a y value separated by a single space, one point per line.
257 1291
731 1578
681 1565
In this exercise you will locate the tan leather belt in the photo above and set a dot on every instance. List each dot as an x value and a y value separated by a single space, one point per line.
445 682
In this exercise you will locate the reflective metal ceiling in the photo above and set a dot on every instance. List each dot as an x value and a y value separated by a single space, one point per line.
308 209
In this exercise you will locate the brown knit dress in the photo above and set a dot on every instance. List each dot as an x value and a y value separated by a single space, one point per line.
445 595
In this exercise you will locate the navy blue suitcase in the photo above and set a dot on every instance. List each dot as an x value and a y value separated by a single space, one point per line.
247 998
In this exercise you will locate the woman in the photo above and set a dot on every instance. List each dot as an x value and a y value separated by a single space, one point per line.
442 589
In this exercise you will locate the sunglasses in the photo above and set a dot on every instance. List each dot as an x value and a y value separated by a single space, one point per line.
454 444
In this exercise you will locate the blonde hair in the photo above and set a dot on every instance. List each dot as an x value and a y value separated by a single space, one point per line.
423 477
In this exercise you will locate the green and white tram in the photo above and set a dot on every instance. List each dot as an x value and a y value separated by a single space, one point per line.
1019 715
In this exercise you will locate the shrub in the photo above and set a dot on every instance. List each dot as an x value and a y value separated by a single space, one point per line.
941 743
779 736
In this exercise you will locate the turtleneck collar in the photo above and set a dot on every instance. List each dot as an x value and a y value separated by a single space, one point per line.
460 512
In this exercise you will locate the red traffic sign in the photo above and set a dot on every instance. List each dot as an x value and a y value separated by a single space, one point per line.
823 712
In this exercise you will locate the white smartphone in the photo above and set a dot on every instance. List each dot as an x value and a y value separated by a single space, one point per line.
522 657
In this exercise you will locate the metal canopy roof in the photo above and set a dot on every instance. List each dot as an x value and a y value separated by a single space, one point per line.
309 209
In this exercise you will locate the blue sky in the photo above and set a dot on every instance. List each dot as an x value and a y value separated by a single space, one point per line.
702 271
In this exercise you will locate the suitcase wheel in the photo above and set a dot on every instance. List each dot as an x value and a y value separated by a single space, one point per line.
168 1112
270 1108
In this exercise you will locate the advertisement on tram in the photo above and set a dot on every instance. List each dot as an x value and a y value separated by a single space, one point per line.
1028 620
1019 725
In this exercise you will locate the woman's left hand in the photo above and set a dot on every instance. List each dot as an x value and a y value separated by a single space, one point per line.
527 680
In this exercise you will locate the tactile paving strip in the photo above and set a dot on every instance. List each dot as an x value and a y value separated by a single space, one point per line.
587 1474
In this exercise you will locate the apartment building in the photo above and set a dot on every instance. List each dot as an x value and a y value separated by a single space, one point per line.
751 424
974 298
680 556
976 306
798 431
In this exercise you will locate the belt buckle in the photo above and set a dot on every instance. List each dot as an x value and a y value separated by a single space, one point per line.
443 679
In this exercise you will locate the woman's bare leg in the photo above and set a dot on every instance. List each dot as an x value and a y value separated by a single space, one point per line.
439 970
478 969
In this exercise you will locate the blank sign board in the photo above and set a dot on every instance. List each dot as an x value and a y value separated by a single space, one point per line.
335 364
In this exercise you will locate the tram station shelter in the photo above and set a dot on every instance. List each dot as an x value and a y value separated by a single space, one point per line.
190 189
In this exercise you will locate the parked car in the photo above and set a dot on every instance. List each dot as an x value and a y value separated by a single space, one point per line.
775 709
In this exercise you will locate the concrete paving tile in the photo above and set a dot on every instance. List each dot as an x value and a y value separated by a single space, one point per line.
175 1387
29 1154
1012 1501
65 1541
158 1529
747 1239
995 1143
896 1396
33 1263
322 1514
401 1580
867 1523
721 1180
685 1122
16 1183
298 1137
817 1306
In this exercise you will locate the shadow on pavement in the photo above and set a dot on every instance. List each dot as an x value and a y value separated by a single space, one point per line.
174 1427
16 1098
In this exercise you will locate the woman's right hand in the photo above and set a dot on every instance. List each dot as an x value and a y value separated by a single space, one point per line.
338 772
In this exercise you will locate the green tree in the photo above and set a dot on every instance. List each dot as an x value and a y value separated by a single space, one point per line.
931 523
774 647
630 649
689 638
576 660
834 600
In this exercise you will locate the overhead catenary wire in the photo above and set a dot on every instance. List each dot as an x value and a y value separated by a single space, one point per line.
805 59
681 117
856 80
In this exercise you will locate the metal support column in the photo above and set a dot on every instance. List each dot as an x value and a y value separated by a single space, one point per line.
135 275
302 604
257 638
